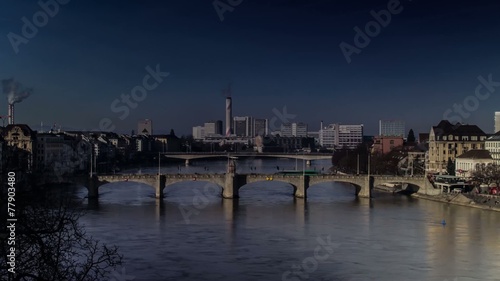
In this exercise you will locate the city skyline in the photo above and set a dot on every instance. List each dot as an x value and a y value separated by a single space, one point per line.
275 61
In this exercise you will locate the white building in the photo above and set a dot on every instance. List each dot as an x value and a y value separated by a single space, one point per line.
465 164
492 144
328 136
294 130
497 121
338 136
350 135
198 132
213 128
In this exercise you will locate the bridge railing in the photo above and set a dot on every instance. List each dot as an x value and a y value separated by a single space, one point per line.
246 153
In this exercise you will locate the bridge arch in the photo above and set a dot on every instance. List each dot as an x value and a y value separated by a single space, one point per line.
400 186
218 180
206 185
129 184
361 184
283 185
150 180
296 182
353 186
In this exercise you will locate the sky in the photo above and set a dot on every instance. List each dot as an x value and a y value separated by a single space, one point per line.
418 66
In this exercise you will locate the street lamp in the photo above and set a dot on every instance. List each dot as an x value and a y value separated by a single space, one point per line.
296 160
357 165
303 165
91 160
369 156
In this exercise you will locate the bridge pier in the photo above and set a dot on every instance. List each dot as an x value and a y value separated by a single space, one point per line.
186 162
93 187
231 186
366 189
160 186
301 187
308 162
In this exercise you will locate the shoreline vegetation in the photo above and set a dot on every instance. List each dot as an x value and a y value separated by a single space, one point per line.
478 201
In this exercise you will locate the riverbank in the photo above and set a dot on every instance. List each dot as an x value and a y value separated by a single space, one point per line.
485 202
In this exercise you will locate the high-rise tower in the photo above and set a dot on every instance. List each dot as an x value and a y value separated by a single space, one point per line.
229 111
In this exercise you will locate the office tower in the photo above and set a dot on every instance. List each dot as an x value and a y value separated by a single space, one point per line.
218 127
294 130
213 128
392 128
260 127
145 127
299 129
198 132
338 136
242 126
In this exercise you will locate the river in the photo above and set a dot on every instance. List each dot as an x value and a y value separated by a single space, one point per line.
266 234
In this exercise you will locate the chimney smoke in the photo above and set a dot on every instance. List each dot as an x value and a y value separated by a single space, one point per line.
15 94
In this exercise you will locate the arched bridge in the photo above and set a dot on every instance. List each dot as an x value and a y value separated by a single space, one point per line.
231 182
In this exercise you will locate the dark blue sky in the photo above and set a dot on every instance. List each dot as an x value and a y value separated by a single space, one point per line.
274 53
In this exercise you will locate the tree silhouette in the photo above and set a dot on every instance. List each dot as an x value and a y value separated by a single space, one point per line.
487 174
411 136
52 245
450 167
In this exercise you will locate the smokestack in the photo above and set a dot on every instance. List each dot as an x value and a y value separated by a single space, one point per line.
15 94
11 114
229 116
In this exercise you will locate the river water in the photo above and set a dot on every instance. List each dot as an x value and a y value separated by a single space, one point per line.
266 234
